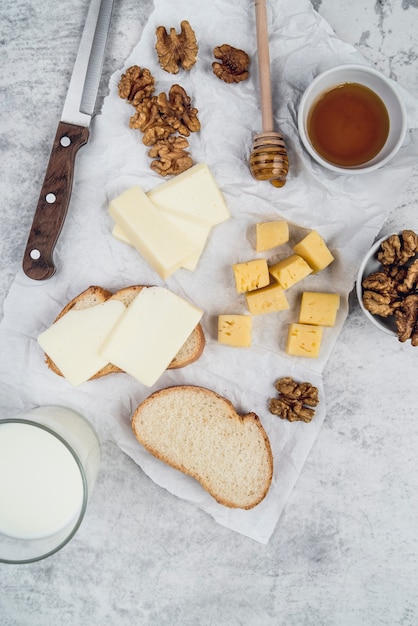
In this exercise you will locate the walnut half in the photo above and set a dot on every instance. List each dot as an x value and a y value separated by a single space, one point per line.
296 400
175 50
170 156
407 319
397 250
233 66
136 84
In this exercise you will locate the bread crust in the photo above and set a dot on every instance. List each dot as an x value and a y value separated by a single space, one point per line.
230 413
94 295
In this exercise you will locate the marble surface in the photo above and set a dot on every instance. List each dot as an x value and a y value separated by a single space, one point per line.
345 551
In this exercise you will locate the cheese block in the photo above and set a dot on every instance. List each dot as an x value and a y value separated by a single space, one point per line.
235 330
267 300
161 244
314 250
319 308
271 234
304 340
290 271
251 275
73 342
150 333
194 195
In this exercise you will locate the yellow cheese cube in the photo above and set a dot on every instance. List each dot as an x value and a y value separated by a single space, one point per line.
266 300
270 234
251 275
290 271
304 340
319 308
314 250
235 330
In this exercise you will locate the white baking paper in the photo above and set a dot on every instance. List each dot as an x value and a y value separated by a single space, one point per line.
348 211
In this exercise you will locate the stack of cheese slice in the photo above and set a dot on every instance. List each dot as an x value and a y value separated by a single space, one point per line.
170 225
140 339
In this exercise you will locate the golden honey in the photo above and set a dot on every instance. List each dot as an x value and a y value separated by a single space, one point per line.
348 125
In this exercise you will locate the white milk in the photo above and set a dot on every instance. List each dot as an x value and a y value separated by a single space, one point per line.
41 486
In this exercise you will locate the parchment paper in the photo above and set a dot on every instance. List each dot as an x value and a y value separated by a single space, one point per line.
348 211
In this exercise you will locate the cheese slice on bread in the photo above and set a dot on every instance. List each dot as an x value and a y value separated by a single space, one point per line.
199 432
72 346
149 333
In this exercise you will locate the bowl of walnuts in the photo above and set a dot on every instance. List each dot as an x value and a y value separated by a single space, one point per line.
387 285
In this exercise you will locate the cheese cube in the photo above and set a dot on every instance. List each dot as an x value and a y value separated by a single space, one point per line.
161 244
271 234
290 271
304 340
73 342
150 333
266 300
193 194
319 308
235 330
314 250
251 275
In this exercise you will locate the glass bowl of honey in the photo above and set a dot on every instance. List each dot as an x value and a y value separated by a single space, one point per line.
351 119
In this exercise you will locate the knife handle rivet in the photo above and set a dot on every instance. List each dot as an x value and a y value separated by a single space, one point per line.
65 141
50 198
35 254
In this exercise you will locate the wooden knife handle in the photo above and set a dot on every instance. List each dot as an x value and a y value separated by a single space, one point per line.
53 201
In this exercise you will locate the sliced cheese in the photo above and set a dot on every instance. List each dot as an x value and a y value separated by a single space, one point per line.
290 271
267 300
271 234
314 250
235 330
251 275
304 340
150 333
161 244
118 233
73 341
319 308
194 231
194 195
197 233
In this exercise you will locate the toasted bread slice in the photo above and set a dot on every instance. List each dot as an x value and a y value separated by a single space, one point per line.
188 353
199 432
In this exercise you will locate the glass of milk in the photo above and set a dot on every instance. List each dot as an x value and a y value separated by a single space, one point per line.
49 460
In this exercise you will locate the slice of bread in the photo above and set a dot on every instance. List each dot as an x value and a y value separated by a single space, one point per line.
199 432
188 353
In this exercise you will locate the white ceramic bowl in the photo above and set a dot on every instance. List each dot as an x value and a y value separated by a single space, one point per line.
375 81
369 265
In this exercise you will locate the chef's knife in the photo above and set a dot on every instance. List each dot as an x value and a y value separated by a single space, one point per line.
72 133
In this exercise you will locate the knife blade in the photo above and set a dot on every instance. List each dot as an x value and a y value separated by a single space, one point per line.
72 133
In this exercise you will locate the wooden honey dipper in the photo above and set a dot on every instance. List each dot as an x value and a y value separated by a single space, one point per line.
268 159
